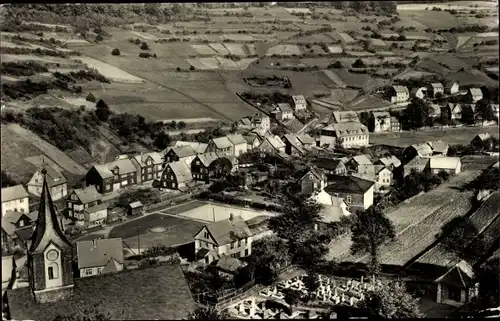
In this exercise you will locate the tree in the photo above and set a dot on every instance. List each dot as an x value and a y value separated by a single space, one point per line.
102 110
116 52
467 115
90 97
292 297
358 64
99 38
417 113
207 313
390 301
370 229
458 234
269 256
144 46
162 141
6 180
336 65
484 110
192 68
181 125
86 313
489 283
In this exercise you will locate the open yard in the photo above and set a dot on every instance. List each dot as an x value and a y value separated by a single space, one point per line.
450 135
216 212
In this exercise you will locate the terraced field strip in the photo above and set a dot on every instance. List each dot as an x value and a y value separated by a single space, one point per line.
335 78
109 71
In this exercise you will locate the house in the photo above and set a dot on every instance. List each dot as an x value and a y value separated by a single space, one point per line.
113 176
150 166
299 103
82 198
333 209
199 148
399 94
360 164
331 166
56 180
253 142
135 208
313 181
293 126
451 88
439 147
434 110
176 175
383 177
421 150
286 111
53 291
418 164
435 88
419 92
306 140
474 95
15 198
480 141
12 223
258 120
382 121
356 192
221 146
343 117
201 166
293 146
395 124
185 154
457 286
391 162
273 144
258 225
240 145
96 215
451 165
230 237
495 108
99 256
228 267
348 134
454 111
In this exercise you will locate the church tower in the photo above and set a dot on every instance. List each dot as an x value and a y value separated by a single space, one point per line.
50 255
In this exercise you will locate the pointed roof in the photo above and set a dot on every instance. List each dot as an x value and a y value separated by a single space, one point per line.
47 226
13 193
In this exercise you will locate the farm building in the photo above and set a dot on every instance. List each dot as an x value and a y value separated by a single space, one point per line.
82 198
482 141
439 147
176 176
360 164
112 176
201 166
348 134
331 166
230 237
420 150
457 286
239 144
382 121
96 215
149 166
383 177
357 192
184 153
220 146
399 94
435 88
16 199
419 92
334 208
253 141
299 103
285 111
100 256
343 117
395 124
313 181
53 291
57 183
259 120
418 164
293 146
451 165
273 144
474 95
200 148
135 208
451 88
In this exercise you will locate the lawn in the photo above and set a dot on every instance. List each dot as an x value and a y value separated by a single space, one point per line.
451 136
177 231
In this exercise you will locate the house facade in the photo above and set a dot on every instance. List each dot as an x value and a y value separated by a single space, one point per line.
457 286
13 224
185 154
253 142
348 135
96 215
81 199
150 166
221 146
474 95
176 176
99 256
112 176
293 145
272 144
435 88
331 166
257 121
240 145
299 103
451 88
419 92
395 124
286 111
201 167
383 178
382 121
360 164
57 183
450 165
399 94
313 181
355 191
15 199
230 237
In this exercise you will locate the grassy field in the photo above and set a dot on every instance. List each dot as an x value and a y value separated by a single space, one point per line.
451 136
207 212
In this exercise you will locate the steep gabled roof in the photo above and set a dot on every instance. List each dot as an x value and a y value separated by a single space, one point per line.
422 149
438 146
99 252
437 85
88 194
362 160
142 158
251 138
444 162
327 163
208 158
54 177
198 147
13 193
475 92
298 99
294 142
124 165
461 275
222 142
387 161
236 139
348 184
181 171
484 136
223 231
400 89
183 151
285 107
306 139
275 142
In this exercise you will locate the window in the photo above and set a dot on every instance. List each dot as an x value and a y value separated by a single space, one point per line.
349 199
454 293
21 223
88 271
246 252
336 194
53 271
206 235
99 270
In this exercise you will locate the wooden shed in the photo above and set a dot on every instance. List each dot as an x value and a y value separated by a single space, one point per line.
135 208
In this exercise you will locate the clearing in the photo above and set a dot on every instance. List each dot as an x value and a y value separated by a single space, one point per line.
108 71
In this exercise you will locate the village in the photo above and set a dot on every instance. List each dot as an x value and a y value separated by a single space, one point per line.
250 161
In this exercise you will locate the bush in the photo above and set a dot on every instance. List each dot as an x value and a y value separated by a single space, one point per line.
178 68
90 98
115 52
144 55
192 68
358 64
99 38
144 46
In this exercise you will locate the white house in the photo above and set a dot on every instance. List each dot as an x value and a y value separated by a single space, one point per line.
15 199
436 88
99 256
348 134
382 121
299 103
221 146
451 88
474 95
418 92
240 145
93 216
334 208
230 237
383 177
399 94
57 183
451 165
286 111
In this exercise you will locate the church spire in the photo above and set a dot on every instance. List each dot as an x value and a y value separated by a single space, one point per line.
47 226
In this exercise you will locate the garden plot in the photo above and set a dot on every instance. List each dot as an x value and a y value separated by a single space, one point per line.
204 50
298 10
210 62
335 49
410 73
219 48
245 62
238 37
145 35
227 64
360 53
488 35
335 78
211 38
236 49
284 50
196 63
8 44
346 38
378 42
108 71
